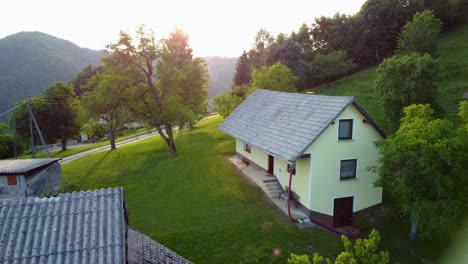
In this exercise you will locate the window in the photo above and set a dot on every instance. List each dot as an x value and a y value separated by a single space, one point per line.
345 130
12 180
247 148
348 169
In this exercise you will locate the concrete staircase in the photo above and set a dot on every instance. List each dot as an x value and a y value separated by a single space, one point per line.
272 187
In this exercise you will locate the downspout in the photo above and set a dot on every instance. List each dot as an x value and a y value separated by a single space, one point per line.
291 173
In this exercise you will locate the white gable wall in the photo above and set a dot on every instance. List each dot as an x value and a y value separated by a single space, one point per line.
327 152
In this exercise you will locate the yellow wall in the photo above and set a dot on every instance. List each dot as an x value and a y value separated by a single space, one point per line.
327 152
255 155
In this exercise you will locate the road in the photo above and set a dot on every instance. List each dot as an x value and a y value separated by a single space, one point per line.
107 147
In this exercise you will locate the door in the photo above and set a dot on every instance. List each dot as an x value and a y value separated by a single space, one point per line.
271 162
343 212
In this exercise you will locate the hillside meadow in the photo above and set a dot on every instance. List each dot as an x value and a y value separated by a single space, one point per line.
199 205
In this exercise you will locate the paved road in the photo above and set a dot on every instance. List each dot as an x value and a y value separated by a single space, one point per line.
107 147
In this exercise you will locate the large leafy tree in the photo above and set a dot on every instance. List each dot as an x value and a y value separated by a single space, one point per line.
404 80
108 97
226 102
277 77
82 78
331 66
420 35
424 165
172 89
61 116
243 72
383 20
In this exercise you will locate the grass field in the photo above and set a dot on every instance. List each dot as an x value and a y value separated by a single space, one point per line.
197 204
453 48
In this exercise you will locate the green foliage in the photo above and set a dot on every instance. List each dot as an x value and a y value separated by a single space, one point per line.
6 143
420 35
331 66
405 80
94 130
32 61
383 20
172 84
226 102
363 251
298 259
242 75
424 165
277 77
82 78
451 12
56 114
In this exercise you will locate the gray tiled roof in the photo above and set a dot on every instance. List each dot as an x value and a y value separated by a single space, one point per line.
79 227
23 166
285 124
142 249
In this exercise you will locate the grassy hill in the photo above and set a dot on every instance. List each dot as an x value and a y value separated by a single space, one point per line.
31 61
199 205
453 49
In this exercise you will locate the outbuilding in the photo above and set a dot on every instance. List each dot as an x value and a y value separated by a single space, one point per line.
29 177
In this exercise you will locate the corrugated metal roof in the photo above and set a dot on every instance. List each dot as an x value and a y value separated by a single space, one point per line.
142 249
21 166
79 227
285 124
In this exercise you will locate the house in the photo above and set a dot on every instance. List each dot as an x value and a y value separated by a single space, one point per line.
78 227
326 141
29 177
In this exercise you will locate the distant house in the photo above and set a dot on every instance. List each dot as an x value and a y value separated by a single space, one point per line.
329 140
29 177
79 227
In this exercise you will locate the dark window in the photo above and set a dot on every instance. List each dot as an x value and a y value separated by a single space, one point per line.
247 148
348 169
12 180
345 130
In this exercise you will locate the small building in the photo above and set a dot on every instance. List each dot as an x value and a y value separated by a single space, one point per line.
327 142
72 228
29 177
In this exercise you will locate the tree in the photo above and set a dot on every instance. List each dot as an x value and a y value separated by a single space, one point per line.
420 35
383 20
363 251
79 82
331 66
226 102
173 84
277 77
404 80
243 72
424 164
258 55
108 98
61 117
6 143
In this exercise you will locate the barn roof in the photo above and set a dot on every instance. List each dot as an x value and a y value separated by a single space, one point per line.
78 227
286 124
22 166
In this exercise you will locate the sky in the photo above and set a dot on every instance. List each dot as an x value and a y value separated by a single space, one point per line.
215 28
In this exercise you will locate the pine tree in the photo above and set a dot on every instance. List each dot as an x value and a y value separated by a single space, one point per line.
243 74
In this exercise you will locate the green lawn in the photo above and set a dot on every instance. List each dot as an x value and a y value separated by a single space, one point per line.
453 48
198 204
195 202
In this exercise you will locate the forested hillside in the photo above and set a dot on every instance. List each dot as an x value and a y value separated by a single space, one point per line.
221 70
31 61
453 49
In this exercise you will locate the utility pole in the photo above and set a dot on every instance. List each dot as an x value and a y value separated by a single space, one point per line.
40 135
14 133
33 150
